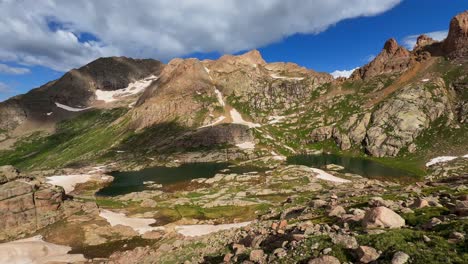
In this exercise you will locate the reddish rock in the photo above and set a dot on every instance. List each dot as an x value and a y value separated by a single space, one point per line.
424 41
392 59
382 217
456 43
324 260
367 254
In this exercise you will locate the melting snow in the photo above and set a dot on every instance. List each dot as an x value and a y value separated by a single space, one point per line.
141 225
68 182
237 119
246 145
327 176
275 119
217 121
49 113
69 108
131 89
275 76
35 250
425 80
442 159
200 230
219 95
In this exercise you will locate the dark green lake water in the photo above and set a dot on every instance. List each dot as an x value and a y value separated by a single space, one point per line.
361 166
133 181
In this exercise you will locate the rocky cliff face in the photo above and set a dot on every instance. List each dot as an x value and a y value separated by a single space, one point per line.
393 59
26 206
456 44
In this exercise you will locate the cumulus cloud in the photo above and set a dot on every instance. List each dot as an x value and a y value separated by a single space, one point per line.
410 41
13 70
53 33
343 73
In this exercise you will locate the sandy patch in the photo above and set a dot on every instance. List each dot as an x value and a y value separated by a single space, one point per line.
327 176
132 89
35 250
69 108
141 225
68 182
201 230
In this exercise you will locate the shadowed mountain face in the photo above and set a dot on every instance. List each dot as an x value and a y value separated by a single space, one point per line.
393 105
75 89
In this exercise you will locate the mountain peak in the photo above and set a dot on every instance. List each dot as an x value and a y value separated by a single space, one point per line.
423 40
456 43
253 57
391 46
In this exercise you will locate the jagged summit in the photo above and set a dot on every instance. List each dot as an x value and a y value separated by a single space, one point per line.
392 59
456 43
423 41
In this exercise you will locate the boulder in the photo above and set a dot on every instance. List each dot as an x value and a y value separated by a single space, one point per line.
346 241
456 43
8 173
337 211
257 256
382 217
324 260
400 258
367 254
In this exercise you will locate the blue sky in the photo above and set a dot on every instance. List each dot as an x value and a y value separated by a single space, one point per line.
327 42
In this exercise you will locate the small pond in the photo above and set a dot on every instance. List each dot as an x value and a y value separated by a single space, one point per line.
134 181
356 165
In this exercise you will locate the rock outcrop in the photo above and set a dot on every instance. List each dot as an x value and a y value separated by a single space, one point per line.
456 43
402 118
26 207
391 60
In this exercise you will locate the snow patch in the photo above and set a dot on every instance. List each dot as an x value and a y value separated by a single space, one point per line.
217 121
275 76
327 176
201 230
68 182
219 96
69 108
141 225
276 156
237 119
275 119
246 145
133 88
35 250
440 159
425 80
50 113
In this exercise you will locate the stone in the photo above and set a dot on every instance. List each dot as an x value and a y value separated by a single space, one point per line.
382 217
367 254
346 241
257 256
420 203
8 173
148 203
461 208
324 260
400 258
337 211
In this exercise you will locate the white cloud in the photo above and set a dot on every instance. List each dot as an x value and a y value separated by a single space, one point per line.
13 70
160 28
343 73
410 41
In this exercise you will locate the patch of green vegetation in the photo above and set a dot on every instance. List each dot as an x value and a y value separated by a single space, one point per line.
438 250
110 203
78 139
226 213
423 215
